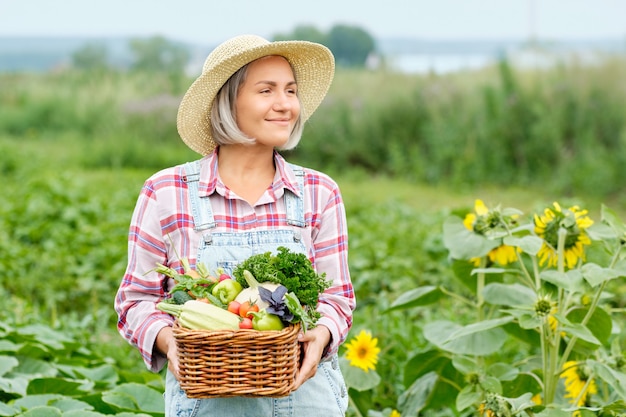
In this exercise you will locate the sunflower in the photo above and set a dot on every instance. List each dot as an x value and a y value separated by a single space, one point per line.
483 411
395 413
576 379
537 399
362 351
493 405
483 221
574 221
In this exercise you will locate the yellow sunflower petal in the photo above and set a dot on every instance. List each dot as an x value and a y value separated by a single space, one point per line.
362 351
469 221
480 208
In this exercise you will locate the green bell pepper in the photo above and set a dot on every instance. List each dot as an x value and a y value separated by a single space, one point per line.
262 320
227 290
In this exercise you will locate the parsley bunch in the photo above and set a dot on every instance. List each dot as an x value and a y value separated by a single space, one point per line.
293 270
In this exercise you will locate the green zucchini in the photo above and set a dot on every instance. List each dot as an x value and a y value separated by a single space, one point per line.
196 315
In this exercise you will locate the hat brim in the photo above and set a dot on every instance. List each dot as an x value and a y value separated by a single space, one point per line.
313 66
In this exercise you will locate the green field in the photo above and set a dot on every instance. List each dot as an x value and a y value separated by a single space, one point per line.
75 150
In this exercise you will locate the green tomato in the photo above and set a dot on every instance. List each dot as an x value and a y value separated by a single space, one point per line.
262 320
227 290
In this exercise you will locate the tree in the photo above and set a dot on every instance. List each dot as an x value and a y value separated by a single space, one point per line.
92 56
157 54
351 45
304 33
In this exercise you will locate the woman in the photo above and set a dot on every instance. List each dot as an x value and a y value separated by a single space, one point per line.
242 198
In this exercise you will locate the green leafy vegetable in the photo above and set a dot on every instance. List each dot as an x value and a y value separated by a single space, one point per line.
294 271
300 313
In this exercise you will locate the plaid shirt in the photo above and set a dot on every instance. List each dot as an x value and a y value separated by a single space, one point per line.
161 231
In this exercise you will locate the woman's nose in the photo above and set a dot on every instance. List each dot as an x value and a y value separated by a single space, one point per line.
283 102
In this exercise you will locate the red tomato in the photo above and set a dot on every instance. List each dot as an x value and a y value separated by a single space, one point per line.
245 323
246 307
234 306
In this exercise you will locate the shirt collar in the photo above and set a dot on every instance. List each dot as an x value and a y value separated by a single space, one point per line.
284 178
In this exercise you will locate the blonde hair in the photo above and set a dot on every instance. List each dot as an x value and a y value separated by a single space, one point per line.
223 116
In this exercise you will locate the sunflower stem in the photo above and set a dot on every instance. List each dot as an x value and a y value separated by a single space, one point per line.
553 362
457 296
354 406
526 275
585 320
480 285
545 336
588 315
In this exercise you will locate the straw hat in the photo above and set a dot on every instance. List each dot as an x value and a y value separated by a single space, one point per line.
313 65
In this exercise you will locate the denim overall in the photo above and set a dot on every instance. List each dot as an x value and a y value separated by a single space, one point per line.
325 394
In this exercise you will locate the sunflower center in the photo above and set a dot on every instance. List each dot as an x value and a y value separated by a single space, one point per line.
551 234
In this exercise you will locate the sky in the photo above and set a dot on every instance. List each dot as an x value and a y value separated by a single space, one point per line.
209 21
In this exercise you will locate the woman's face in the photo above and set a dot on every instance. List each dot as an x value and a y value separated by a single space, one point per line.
267 103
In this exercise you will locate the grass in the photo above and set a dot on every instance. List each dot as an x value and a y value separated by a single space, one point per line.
434 199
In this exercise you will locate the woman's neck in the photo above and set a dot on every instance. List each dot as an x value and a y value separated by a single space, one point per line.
246 170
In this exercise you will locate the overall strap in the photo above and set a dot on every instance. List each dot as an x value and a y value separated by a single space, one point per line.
200 207
293 203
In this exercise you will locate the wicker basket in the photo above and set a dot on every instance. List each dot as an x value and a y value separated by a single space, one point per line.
230 363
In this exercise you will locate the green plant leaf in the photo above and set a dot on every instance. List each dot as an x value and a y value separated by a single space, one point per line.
529 244
8 346
521 403
6 410
464 364
83 413
596 275
602 325
418 395
522 384
479 339
47 336
42 411
32 401
511 295
421 296
610 217
503 371
553 412
132 396
578 330
616 379
429 361
463 243
479 327
572 280
120 400
357 378
467 398
55 385
34 366
491 384
7 363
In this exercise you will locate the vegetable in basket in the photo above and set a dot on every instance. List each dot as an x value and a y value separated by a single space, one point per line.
197 315
291 269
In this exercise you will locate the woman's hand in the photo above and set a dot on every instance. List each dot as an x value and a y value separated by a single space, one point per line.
314 341
166 344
